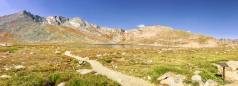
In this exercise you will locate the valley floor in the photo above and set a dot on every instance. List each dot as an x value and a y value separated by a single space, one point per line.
123 79
114 65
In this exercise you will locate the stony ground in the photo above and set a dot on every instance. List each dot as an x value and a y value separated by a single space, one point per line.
127 66
123 79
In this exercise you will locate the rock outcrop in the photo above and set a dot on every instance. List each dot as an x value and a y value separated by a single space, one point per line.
55 20
73 23
228 41
166 36
115 34
26 27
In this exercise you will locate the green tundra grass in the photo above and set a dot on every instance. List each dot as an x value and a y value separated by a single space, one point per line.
155 61
44 66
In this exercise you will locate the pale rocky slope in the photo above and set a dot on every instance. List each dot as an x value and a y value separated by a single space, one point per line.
161 35
228 41
26 27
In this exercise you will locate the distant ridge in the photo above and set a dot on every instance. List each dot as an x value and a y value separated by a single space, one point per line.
26 27
228 41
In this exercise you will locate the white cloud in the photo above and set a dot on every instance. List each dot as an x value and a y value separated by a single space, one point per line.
189 31
140 25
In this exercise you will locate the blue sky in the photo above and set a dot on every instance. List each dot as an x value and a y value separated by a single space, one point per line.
217 18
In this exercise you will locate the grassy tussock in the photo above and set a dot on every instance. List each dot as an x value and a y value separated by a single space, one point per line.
155 61
43 66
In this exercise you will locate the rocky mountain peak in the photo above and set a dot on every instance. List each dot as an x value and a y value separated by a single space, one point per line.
73 22
26 14
23 12
56 20
78 22
26 27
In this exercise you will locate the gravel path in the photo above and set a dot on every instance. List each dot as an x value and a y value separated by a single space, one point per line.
232 84
124 80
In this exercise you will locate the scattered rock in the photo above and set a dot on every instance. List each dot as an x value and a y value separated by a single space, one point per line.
114 66
231 72
210 82
232 75
5 76
148 77
61 84
31 52
8 52
123 53
229 69
19 67
5 45
172 59
233 65
4 56
197 72
196 78
81 62
86 58
7 68
171 79
219 67
150 61
57 52
84 71
162 77
98 55
105 54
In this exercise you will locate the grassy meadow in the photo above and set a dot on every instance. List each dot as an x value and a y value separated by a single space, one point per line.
155 61
44 66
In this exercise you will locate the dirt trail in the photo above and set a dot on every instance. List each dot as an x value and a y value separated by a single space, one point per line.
123 79
233 84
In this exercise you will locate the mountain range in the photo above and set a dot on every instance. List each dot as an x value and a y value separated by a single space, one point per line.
25 27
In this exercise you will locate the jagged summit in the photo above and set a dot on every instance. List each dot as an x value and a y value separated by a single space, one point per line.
56 20
53 20
27 15
25 12
27 27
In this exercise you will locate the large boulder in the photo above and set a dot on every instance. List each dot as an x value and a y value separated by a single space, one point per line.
210 82
19 67
5 76
171 79
84 71
196 78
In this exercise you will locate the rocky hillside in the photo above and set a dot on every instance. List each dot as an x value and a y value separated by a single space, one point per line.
228 41
26 27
